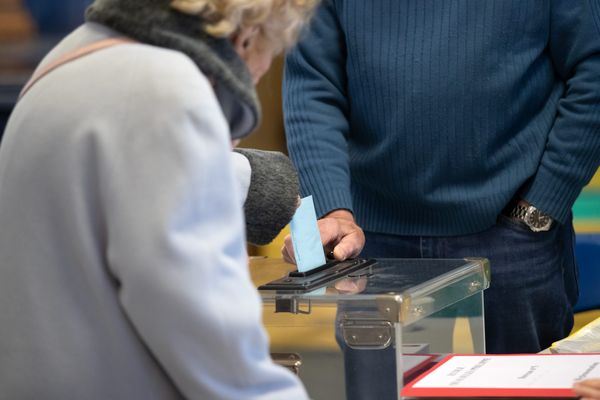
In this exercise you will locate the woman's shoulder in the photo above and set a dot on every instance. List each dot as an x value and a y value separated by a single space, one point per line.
158 69
164 79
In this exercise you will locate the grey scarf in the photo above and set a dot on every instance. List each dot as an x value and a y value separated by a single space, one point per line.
156 23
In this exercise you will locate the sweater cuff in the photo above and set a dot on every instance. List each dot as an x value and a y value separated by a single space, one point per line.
552 194
327 201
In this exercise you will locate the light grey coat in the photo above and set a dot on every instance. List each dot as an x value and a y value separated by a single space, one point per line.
122 251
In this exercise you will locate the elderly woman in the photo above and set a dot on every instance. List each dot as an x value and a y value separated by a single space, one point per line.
123 270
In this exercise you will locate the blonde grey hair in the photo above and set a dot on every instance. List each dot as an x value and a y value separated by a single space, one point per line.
279 22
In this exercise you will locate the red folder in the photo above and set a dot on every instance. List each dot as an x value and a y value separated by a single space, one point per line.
505 375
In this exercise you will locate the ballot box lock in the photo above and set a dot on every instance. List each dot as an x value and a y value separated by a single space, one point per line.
366 334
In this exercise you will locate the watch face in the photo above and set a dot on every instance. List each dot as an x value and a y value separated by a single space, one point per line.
538 220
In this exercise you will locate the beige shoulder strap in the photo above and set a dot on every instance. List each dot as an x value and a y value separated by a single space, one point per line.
74 55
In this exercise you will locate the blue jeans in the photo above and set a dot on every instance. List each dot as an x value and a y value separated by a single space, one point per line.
528 306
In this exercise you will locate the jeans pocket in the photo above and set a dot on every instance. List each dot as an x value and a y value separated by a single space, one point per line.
525 256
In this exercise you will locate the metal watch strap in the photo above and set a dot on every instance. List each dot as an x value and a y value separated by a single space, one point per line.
518 212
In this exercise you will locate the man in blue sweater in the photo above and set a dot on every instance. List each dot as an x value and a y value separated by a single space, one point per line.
448 128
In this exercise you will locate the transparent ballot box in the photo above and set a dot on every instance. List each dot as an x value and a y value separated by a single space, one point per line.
366 327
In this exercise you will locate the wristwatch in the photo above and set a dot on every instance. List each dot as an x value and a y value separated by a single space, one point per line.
535 219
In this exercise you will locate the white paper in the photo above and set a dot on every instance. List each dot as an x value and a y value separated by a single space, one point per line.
513 371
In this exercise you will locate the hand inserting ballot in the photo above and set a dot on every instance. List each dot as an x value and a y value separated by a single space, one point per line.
340 236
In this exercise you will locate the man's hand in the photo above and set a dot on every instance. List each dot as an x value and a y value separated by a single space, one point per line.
588 389
339 234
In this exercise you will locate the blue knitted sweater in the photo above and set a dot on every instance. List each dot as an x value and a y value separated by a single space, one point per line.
426 117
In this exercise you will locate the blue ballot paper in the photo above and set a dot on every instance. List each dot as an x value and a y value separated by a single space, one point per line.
306 237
